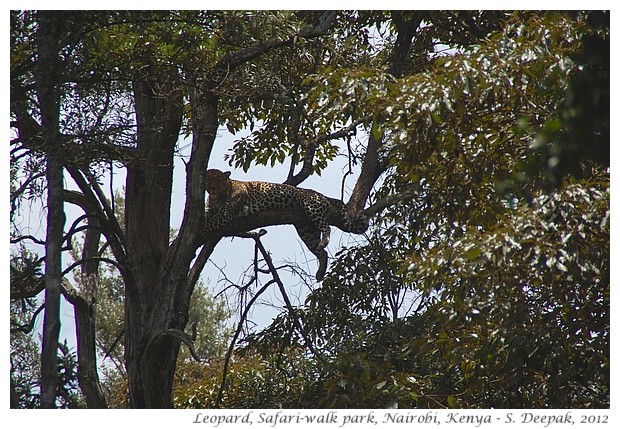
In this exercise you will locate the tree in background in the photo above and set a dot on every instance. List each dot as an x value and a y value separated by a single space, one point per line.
475 168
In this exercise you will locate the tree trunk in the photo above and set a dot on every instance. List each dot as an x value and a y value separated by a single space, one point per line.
158 102
83 307
158 301
85 319
47 69
48 99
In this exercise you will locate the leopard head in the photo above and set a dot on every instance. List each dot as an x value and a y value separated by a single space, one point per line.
217 182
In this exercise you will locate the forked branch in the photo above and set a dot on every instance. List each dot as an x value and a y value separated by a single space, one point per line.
275 279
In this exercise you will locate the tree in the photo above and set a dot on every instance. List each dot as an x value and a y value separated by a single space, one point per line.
489 287
447 103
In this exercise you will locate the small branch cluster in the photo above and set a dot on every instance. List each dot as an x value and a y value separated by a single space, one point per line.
276 279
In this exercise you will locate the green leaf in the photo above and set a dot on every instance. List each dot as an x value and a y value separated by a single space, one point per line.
452 402
473 253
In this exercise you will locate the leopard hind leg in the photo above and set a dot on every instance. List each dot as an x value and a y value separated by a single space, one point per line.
325 232
311 237
316 207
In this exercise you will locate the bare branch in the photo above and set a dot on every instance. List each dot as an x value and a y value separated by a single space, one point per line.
26 329
27 237
307 167
276 276
117 339
276 279
74 229
94 258
233 341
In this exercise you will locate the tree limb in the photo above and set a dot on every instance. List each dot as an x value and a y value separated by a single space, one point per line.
94 258
90 203
27 237
387 201
275 279
117 339
373 166
26 329
200 261
235 59
181 336
307 167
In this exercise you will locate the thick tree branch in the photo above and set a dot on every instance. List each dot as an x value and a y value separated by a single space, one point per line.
164 285
264 218
407 24
204 105
387 201
92 204
186 339
201 260
235 59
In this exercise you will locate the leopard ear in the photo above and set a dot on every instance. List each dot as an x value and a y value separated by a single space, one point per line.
227 173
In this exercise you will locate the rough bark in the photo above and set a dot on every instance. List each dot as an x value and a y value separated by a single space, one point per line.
161 302
50 24
158 102
85 317
84 310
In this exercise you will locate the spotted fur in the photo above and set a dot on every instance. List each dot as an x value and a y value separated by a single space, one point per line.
229 199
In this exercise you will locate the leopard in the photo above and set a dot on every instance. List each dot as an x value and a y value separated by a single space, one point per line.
230 199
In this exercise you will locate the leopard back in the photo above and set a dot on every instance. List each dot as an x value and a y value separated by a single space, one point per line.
229 199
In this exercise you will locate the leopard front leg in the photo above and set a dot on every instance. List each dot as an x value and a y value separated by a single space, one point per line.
311 237
217 219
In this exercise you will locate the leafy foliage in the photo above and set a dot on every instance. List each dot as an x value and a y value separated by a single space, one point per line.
522 309
25 378
489 287
279 381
